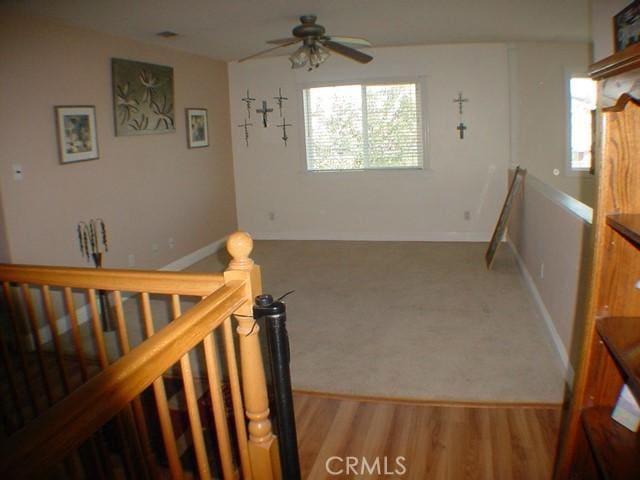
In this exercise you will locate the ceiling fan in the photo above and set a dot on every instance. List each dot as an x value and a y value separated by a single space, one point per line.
316 46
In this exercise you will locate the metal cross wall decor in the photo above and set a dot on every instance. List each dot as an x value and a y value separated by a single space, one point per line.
284 126
264 111
280 100
248 101
246 126
460 100
461 126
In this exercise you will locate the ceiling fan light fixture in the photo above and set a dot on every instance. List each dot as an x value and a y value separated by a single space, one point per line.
309 55
300 57
318 55
316 47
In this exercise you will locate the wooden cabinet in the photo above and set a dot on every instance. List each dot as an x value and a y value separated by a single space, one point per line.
592 445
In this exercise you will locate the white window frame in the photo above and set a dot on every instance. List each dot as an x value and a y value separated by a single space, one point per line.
421 81
569 170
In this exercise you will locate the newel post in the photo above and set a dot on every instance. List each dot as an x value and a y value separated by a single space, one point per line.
263 448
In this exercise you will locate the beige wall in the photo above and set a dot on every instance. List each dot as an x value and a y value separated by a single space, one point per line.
460 176
147 188
539 74
551 233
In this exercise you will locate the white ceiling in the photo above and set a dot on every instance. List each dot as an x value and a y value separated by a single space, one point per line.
232 29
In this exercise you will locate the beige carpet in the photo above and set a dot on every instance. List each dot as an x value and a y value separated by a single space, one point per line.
408 319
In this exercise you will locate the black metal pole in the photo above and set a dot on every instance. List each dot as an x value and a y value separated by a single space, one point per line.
275 317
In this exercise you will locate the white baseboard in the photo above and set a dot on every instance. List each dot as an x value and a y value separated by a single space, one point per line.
562 355
194 257
374 237
83 313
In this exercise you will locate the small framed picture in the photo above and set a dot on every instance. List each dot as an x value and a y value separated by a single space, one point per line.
197 128
626 26
77 136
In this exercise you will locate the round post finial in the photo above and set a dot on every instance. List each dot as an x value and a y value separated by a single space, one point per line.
239 246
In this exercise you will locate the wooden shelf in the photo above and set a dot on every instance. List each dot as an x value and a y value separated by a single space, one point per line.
627 224
616 449
620 62
622 336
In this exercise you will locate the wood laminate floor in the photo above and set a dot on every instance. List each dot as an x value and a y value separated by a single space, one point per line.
435 442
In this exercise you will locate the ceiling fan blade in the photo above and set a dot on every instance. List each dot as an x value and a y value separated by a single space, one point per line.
279 41
359 42
349 52
296 40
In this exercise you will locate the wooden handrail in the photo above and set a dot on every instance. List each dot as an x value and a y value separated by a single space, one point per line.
50 437
110 279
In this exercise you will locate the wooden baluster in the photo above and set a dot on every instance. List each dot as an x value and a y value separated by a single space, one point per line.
92 447
13 320
74 465
55 336
60 472
218 407
96 326
37 341
13 385
236 399
91 460
142 440
166 427
192 403
75 333
7 417
120 423
121 324
91 450
103 361
263 449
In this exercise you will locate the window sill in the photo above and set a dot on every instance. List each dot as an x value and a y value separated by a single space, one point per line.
582 172
369 170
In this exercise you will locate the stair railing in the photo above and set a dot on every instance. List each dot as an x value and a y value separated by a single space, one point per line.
68 438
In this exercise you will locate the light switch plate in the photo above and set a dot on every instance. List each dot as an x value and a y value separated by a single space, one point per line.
18 174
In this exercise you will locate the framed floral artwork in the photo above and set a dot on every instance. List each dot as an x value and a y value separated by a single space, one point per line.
77 133
197 128
143 99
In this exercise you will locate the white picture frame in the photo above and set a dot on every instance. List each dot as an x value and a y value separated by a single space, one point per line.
77 133
197 128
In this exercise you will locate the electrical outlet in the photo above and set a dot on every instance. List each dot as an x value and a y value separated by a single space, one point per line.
154 247
467 215
131 260
272 216
171 242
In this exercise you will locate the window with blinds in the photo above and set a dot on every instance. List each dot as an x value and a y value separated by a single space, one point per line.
364 126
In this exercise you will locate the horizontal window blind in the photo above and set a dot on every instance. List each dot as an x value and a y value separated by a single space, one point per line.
354 127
